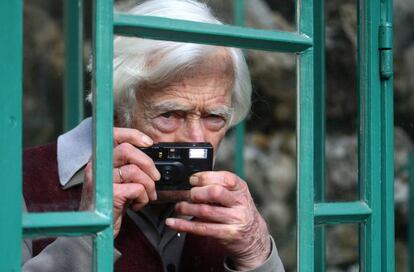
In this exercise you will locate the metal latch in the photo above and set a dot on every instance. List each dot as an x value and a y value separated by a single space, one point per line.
385 48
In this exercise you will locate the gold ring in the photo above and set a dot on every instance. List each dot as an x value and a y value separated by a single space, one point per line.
120 174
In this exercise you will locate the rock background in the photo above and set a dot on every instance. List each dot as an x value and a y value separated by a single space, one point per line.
270 140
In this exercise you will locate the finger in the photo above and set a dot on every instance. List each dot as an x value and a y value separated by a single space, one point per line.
132 174
129 193
126 153
223 178
216 230
214 194
118 175
208 212
88 172
132 136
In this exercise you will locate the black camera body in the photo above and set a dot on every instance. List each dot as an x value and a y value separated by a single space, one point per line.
177 161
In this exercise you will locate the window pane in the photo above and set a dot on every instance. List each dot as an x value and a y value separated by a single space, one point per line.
260 14
342 248
61 253
270 147
404 131
341 101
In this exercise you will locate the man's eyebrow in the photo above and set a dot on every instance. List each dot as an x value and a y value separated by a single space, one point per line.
224 111
168 106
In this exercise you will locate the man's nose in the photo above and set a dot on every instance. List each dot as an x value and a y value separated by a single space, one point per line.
194 131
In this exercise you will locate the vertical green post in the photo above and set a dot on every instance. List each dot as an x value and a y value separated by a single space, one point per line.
411 212
369 133
319 88
387 141
238 12
11 29
73 81
103 127
306 101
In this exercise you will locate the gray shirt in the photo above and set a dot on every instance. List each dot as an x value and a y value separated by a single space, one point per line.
60 255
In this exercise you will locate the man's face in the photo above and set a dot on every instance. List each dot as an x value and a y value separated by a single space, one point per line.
195 108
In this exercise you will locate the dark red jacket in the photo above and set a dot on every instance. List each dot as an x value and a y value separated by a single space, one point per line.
42 192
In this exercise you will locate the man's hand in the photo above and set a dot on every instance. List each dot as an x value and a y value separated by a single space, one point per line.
223 208
134 174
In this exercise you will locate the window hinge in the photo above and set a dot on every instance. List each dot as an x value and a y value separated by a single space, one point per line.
385 48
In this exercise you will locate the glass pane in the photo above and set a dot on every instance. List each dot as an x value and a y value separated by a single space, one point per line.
47 185
341 101
270 147
43 68
261 14
61 253
342 248
404 133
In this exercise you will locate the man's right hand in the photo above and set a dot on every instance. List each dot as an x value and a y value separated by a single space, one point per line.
134 175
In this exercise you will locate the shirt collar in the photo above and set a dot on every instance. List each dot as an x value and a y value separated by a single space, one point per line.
74 149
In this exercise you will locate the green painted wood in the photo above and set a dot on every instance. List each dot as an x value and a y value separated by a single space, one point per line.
11 32
240 129
369 133
104 246
387 137
73 79
341 212
411 212
103 128
239 150
63 223
306 143
320 84
226 35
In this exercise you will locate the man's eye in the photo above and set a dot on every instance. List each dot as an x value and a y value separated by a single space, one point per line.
214 121
172 114
167 114
215 118
168 121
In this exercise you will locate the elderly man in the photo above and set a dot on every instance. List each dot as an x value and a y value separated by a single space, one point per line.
163 92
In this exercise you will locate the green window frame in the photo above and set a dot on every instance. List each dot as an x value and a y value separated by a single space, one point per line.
373 211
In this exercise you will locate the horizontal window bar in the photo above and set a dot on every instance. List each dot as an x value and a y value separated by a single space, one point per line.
63 223
225 35
341 212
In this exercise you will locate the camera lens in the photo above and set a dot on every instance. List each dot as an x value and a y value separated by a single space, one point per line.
167 174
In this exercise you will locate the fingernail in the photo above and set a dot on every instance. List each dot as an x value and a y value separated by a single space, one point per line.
194 180
147 140
170 222
154 196
157 174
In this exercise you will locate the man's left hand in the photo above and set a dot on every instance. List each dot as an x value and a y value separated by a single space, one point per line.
224 209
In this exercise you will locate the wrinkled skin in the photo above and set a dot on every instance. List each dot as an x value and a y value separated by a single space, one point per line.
220 201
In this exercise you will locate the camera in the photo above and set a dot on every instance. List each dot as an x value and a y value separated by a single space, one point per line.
177 161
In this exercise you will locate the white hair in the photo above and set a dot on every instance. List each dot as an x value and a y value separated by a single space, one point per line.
136 62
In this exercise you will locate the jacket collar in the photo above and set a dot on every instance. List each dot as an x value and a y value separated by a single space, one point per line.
74 149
